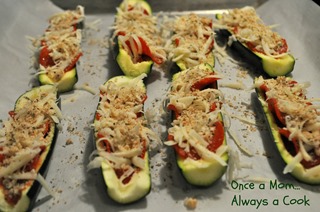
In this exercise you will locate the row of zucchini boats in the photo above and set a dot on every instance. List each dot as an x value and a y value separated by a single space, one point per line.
121 133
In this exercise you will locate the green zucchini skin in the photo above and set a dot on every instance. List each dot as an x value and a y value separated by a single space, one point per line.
268 65
30 193
126 64
201 173
137 190
308 176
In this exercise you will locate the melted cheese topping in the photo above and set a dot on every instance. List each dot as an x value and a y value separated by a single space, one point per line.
63 40
23 137
248 27
195 125
135 23
301 117
121 124
192 39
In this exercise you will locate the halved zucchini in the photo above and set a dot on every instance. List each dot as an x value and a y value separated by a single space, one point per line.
202 172
60 50
310 175
24 199
136 40
139 184
273 67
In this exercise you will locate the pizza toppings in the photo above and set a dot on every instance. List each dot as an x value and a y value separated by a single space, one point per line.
192 41
250 30
297 118
60 45
197 131
122 136
24 138
137 32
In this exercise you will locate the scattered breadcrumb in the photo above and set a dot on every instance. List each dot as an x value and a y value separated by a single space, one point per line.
190 202
69 141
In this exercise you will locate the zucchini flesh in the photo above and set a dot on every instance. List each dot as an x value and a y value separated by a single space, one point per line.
201 171
25 198
271 66
306 175
133 188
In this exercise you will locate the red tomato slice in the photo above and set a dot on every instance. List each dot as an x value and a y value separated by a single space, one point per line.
218 137
205 82
174 109
44 58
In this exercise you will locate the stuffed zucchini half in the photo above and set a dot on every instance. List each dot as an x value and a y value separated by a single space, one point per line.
257 42
294 123
26 143
136 40
197 133
122 139
60 50
192 42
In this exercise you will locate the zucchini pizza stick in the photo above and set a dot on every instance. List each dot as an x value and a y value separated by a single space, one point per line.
295 125
136 40
257 42
60 50
27 141
192 41
197 133
122 139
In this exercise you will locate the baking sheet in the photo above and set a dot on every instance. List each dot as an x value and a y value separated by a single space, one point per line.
79 190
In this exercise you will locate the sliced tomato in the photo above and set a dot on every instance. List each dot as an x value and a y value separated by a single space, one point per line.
44 58
205 82
306 164
98 116
120 172
274 108
174 109
12 114
131 7
218 137
73 63
46 129
106 143
177 42
144 149
283 48
35 162
145 49
2 157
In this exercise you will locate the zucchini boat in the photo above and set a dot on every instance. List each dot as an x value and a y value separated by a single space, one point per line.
136 40
192 42
256 42
197 133
26 143
122 139
294 123
60 50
